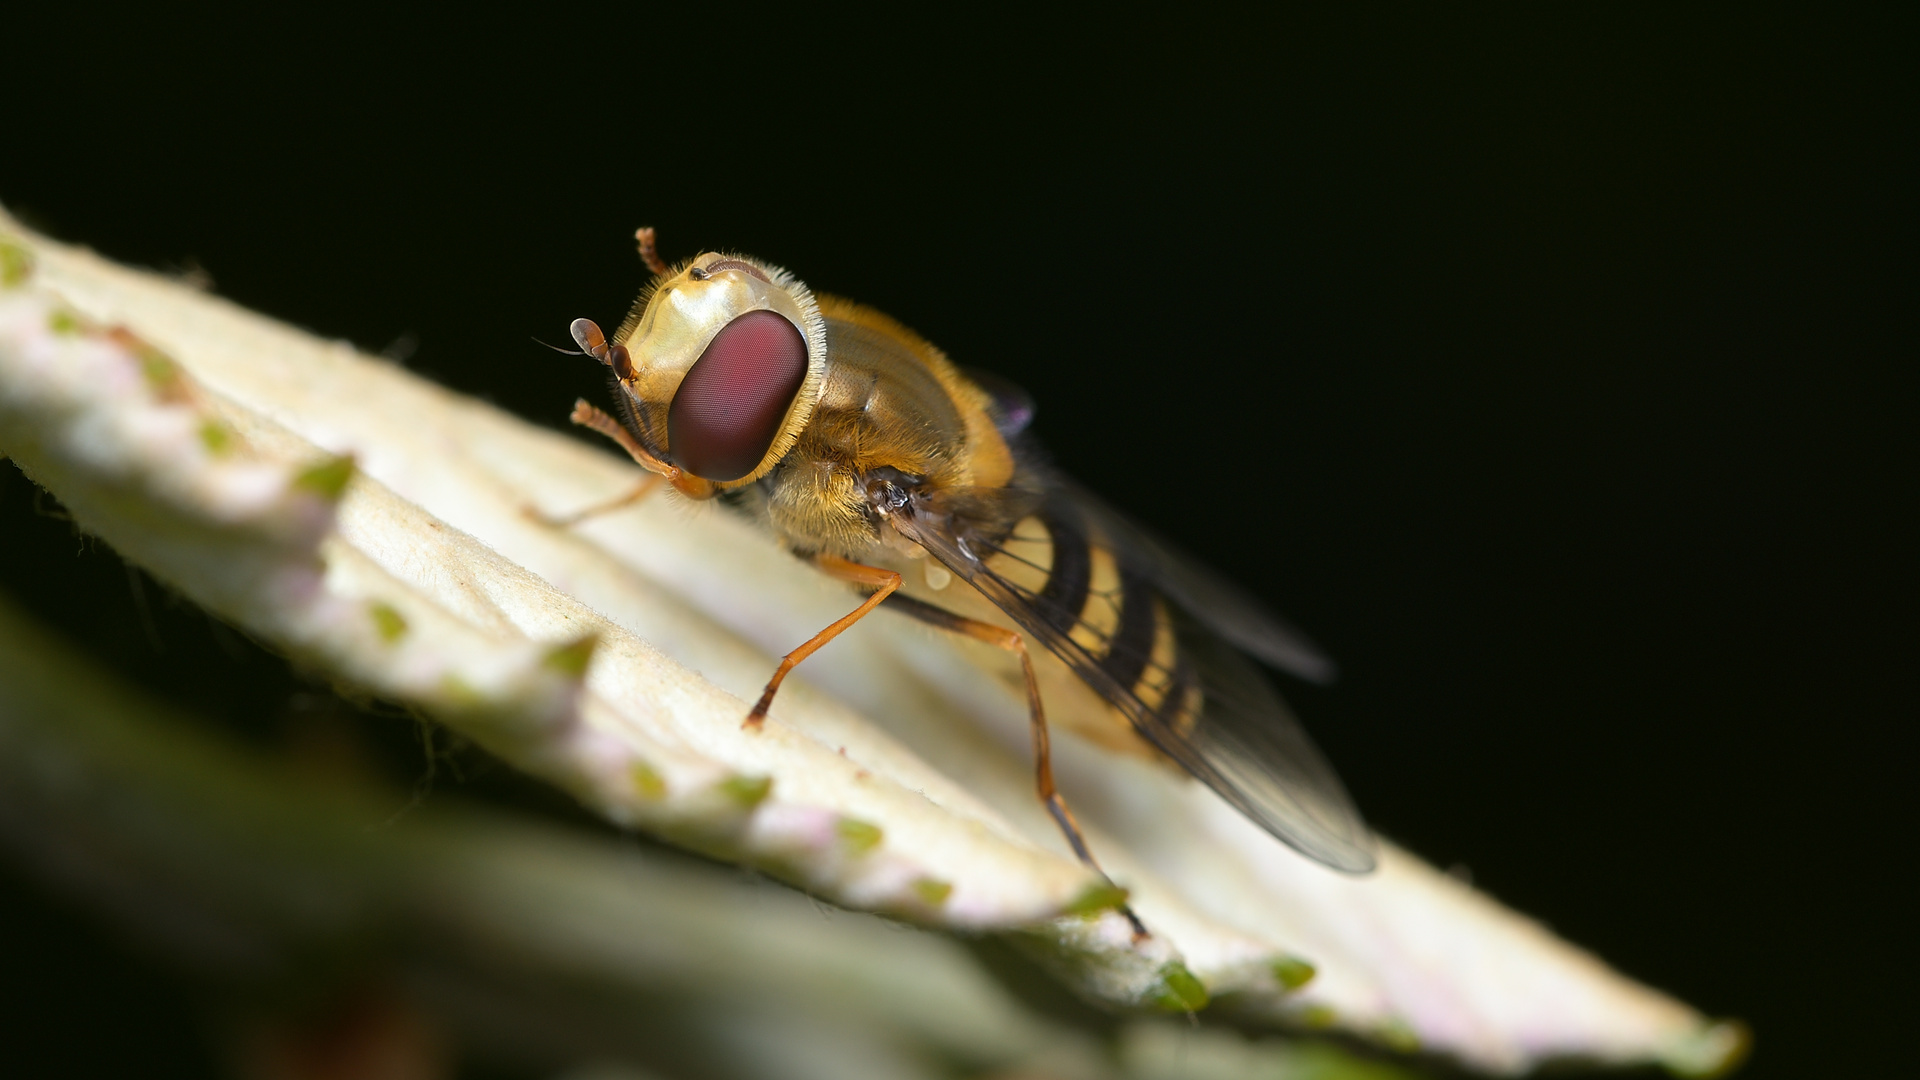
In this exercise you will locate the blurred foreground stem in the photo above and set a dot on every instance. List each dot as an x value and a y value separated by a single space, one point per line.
534 943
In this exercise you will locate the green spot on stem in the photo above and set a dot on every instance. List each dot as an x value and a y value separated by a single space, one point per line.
1293 972
1179 990
216 436
932 891
748 791
1397 1036
460 693
327 479
1713 1051
1099 897
859 836
390 623
1318 1017
161 373
571 659
65 323
16 264
645 781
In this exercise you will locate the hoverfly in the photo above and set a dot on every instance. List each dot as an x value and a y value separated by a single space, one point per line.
864 448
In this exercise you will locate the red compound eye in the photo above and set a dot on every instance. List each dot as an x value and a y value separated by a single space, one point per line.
729 407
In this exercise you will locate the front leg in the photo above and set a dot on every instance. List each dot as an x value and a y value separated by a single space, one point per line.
588 415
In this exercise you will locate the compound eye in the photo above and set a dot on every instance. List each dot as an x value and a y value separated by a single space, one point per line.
729 407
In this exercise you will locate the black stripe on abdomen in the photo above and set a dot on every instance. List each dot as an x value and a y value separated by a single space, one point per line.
1065 594
1132 644
1173 707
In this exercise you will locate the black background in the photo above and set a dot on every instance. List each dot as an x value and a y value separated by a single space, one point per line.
1555 370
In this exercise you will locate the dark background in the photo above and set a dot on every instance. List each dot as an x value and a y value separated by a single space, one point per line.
1555 370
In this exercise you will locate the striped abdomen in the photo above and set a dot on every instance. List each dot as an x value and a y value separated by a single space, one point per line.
1114 628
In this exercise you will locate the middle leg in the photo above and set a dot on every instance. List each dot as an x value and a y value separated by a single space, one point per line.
1002 638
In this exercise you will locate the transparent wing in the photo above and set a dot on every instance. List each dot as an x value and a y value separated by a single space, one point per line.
1013 407
1212 711
1226 610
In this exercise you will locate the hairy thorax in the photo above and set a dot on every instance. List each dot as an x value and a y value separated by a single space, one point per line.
891 401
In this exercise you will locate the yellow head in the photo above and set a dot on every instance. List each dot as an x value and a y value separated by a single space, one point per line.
723 360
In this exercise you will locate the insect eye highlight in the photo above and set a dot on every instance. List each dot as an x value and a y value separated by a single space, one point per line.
731 403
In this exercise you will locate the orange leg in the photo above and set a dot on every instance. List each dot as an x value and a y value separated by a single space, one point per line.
633 495
588 416
1056 804
882 581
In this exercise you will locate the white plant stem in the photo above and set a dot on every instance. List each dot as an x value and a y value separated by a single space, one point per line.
204 444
